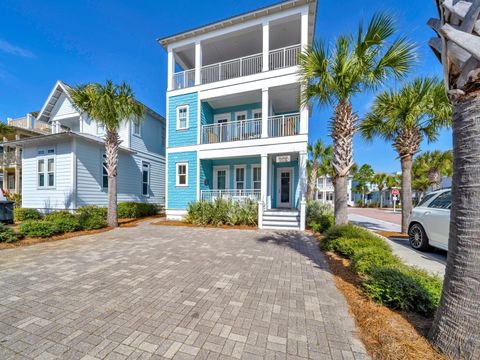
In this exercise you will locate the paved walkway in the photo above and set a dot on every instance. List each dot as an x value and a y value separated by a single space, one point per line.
165 292
434 261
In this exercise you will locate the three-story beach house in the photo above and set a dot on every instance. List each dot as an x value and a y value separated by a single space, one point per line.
65 169
235 128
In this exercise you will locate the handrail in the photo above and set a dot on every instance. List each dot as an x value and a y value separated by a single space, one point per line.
232 131
183 79
236 195
233 68
284 125
283 57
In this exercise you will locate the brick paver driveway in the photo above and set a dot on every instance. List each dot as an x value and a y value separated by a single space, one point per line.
173 292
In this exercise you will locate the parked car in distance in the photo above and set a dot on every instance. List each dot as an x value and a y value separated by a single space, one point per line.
430 221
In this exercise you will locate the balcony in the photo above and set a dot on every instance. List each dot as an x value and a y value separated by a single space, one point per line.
10 159
284 125
235 68
30 123
235 195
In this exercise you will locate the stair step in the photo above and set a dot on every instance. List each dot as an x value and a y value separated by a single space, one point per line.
280 213
281 223
281 218
279 227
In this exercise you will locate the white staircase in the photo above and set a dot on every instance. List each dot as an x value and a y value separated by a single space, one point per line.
281 219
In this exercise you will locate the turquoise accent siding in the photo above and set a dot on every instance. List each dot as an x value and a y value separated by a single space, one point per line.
296 183
208 113
179 197
188 136
206 172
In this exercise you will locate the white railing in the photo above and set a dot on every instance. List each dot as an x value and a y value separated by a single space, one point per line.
284 125
232 131
184 79
236 195
284 57
29 122
230 69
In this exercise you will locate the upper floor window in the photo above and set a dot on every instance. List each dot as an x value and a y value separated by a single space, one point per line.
100 129
137 127
145 178
104 172
240 178
182 174
257 114
182 117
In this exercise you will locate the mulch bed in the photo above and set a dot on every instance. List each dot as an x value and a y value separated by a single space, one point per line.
123 223
393 234
387 334
183 223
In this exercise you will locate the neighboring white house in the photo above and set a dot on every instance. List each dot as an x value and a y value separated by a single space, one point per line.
324 190
235 129
65 169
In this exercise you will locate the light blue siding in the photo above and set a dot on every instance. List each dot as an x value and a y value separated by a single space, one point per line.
188 136
179 197
150 138
296 183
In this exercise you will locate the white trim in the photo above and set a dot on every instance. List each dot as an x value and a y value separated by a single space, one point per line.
217 117
278 189
74 173
175 214
45 156
256 111
255 166
244 113
148 180
187 107
244 167
227 176
198 179
186 174
139 122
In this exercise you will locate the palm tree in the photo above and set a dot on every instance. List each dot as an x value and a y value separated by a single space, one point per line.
456 328
405 118
356 63
363 177
435 165
319 154
110 105
379 180
420 183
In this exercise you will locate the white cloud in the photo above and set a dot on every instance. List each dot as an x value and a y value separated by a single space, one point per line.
8 48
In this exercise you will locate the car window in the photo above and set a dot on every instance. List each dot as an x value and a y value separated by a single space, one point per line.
425 199
443 201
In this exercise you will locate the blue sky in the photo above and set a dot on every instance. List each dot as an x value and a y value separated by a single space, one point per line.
83 41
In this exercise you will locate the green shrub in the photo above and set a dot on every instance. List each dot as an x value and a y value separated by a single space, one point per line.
316 211
92 217
37 228
22 214
67 224
7 235
404 288
62 214
131 210
222 212
345 231
367 259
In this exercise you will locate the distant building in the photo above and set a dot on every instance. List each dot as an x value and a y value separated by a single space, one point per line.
324 190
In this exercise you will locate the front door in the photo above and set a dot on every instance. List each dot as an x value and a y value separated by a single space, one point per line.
284 188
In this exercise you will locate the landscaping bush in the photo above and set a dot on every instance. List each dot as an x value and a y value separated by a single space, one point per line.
35 228
404 288
369 258
222 212
133 210
22 214
61 214
92 217
344 231
7 235
319 215
67 224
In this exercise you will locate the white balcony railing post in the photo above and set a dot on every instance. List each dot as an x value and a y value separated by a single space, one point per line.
284 125
235 195
231 131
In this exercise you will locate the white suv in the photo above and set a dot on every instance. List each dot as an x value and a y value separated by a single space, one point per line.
430 221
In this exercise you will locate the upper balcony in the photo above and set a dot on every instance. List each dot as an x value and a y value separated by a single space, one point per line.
252 50
29 122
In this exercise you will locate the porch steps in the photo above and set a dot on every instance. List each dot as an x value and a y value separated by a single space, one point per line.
281 219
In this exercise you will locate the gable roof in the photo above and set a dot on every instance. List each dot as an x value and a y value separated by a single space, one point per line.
249 15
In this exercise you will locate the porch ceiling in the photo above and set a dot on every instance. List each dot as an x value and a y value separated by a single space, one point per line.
285 98
236 99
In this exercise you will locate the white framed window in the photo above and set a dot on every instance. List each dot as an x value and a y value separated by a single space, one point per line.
100 129
145 178
104 172
241 115
256 177
257 113
239 177
221 180
46 168
182 174
137 127
182 117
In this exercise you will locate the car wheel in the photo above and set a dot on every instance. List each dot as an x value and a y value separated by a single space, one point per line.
418 238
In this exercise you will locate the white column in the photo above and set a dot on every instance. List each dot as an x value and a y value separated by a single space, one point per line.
170 69
304 31
265 112
302 163
264 177
304 113
266 45
198 63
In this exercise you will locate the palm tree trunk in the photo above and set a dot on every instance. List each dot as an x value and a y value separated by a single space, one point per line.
340 199
112 142
312 182
381 199
456 328
406 191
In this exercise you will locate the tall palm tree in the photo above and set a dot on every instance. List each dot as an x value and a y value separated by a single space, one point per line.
319 154
379 179
354 64
435 164
417 111
420 182
110 105
456 328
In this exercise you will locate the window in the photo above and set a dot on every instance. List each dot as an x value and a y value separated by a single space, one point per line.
240 178
425 199
257 114
137 127
162 129
256 178
182 117
182 174
241 115
145 178
100 129
11 182
442 201
46 168
104 172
